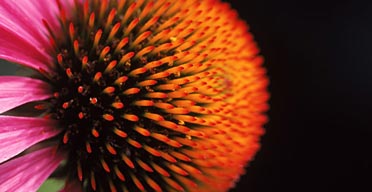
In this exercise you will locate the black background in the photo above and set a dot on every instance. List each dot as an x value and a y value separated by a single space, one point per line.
319 59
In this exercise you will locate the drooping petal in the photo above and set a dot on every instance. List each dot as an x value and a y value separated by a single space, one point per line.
28 172
19 133
18 50
24 37
16 91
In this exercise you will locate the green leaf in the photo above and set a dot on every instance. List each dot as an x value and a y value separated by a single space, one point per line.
52 185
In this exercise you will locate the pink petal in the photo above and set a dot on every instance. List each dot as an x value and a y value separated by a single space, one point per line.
15 91
18 50
19 133
23 33
28 172
24 38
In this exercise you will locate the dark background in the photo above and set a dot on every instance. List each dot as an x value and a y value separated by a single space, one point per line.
319 59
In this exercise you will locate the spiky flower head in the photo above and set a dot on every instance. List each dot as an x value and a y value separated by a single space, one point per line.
136 95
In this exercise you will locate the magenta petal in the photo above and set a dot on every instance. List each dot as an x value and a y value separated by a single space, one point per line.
16 91
30 28
19 133
28 172
23 35
20 51
24 39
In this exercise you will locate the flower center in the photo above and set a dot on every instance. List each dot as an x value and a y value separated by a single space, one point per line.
111 98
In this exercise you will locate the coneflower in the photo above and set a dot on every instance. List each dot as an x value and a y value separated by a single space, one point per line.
128 95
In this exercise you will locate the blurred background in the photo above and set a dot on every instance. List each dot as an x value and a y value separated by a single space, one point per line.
319 60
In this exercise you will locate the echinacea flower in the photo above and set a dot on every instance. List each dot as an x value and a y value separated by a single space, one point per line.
128 95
